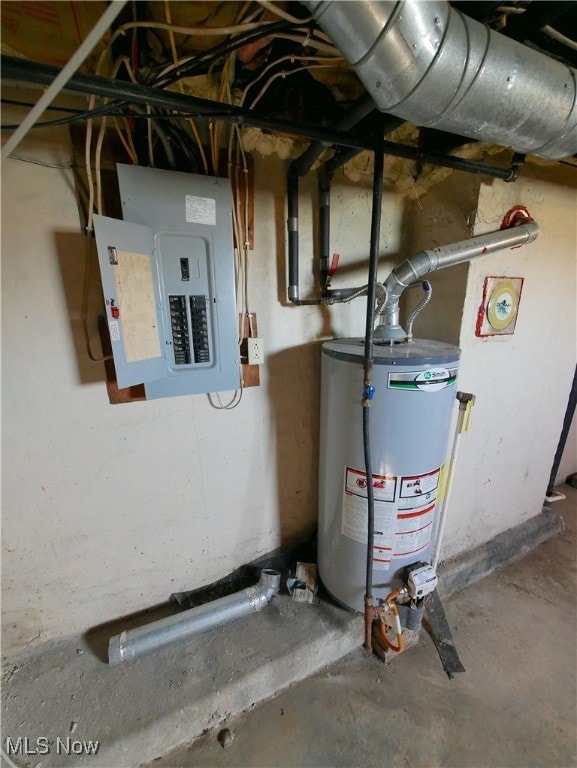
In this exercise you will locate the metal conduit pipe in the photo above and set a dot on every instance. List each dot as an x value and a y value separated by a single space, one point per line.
343 156
22 70
416 267
133 643
326 173
363 107
429 64
293 233
324 229
300 167
368 388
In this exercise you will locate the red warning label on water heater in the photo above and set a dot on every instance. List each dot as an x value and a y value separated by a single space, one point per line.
384 486
404 521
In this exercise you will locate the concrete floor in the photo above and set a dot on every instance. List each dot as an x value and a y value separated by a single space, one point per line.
514 706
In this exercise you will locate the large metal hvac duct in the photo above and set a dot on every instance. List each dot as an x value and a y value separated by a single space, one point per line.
426 62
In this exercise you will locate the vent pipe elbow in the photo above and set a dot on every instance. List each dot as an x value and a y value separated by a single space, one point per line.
133 643
425 62
425 262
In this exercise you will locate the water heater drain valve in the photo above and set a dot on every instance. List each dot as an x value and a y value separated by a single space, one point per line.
421 581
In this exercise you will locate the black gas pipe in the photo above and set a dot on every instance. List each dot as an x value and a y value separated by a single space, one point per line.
368 389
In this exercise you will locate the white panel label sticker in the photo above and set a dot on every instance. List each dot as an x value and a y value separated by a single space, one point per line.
200 210
114 330
133 276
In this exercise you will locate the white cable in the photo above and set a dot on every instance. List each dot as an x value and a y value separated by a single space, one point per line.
197 31
284 73
245 220
63 76
510 9
559 37
235 400
149 134
88 163
282 14
308 42
98 152
289 57
237 235
312 42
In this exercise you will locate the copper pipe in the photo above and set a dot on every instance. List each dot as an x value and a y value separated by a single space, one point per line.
391 602
369 618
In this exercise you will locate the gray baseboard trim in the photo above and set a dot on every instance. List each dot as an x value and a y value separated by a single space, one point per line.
511 545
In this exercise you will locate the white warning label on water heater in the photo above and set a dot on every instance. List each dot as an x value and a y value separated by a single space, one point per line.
354 518
416 487
404 513
413 531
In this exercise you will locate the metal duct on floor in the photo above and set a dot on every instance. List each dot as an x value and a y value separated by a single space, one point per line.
426 62
133 643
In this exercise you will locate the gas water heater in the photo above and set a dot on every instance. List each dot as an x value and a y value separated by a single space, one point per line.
414 386
410 423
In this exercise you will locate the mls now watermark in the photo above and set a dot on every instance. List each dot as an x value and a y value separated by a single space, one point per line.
42 745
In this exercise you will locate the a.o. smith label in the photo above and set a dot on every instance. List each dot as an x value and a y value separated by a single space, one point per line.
430 380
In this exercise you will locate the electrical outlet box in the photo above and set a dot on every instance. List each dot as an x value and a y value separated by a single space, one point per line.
255 351
168 279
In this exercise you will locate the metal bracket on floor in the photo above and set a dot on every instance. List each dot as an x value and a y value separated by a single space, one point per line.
438 628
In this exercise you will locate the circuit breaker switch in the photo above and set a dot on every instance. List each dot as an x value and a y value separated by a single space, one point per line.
185 269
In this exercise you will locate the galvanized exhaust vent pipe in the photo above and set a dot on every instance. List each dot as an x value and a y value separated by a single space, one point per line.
426 62
133 643
425 262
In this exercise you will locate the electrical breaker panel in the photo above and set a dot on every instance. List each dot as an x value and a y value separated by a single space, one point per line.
168 278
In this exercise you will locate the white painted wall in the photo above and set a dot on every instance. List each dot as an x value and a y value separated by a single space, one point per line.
522 381
109 509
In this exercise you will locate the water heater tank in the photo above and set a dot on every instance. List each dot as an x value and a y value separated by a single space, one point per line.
411 412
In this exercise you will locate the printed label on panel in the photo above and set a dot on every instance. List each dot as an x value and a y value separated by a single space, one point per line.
200 210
